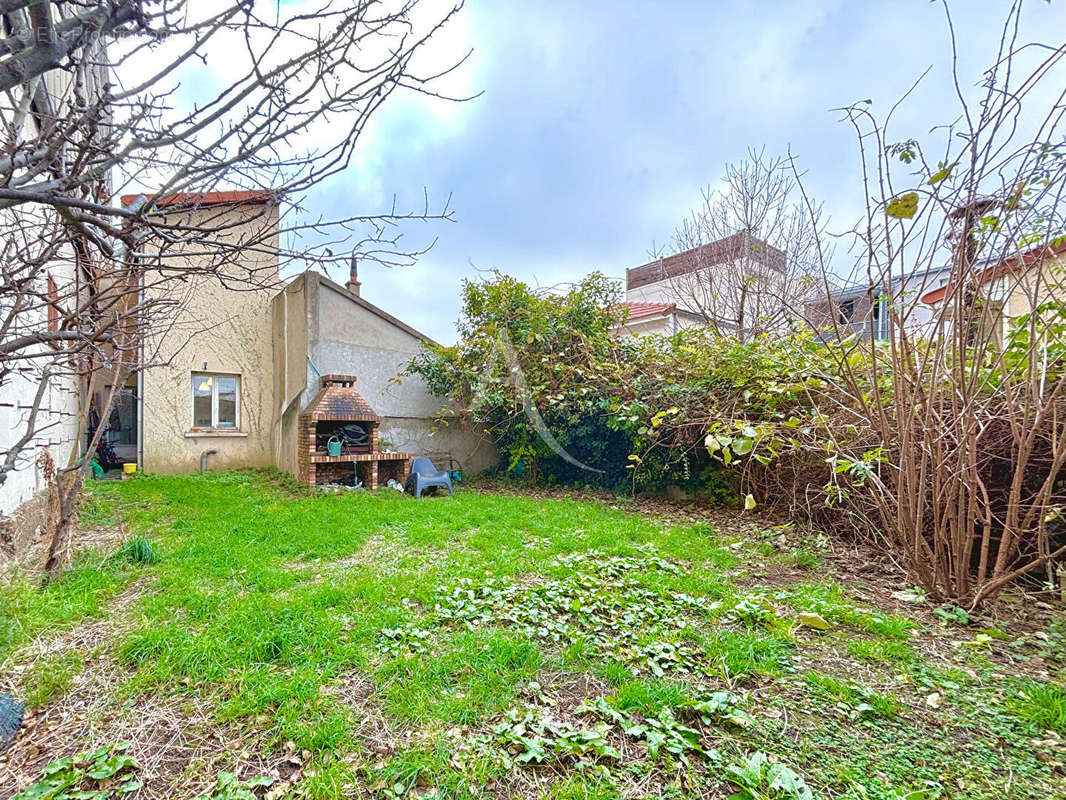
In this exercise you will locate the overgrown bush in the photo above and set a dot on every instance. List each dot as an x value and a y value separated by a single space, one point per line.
529 364
817 428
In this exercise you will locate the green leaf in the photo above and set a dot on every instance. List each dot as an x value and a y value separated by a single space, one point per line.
903 206
111 767
749 503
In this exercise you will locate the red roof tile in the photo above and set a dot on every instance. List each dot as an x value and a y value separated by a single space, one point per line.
642 310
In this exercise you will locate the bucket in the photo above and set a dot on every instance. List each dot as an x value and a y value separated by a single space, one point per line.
129 469
333 446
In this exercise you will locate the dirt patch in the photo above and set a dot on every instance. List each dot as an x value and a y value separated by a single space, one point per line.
28 559
86 639
356 692
175 742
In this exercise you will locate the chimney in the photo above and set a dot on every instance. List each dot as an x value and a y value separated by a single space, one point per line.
353 277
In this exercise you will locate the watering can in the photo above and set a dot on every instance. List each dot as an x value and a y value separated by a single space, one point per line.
333 446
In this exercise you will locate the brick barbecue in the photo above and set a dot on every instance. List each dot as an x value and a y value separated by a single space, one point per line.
338 405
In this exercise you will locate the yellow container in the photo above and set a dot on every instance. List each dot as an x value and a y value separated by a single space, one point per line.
129 469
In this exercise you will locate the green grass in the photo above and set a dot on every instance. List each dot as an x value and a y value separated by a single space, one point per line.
477 674
880 651
80 592
1041 704
266 605
859 700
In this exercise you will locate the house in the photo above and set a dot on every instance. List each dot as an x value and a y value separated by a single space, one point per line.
733 285
1007 288
863 308
665 319
43 282
227 379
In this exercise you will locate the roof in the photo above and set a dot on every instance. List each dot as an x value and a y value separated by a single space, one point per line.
201 199
338 400
644 310
359 301
1005 267
723 251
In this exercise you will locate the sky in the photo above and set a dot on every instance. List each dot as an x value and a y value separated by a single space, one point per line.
599 121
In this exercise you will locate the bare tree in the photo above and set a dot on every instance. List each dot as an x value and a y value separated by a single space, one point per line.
747 251
94 108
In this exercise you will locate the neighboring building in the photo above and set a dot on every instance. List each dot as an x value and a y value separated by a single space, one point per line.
28 114
665 319
864 309
243 364
733 284
1009 288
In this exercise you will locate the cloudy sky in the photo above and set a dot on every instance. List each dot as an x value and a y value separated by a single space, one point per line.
599 121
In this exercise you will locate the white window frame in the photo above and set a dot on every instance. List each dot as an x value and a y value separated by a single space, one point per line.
879 323
214 426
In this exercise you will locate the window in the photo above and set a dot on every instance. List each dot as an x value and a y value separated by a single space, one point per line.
846 311
215 401
880 320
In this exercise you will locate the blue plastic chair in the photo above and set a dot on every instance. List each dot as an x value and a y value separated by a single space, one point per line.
11 711
424 475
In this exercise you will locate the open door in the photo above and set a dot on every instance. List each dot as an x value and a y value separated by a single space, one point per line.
118 443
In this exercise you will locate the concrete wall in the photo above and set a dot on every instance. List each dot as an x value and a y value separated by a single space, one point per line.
348 335
289 329
232 333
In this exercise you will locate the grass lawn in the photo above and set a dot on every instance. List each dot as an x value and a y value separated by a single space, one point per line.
501 645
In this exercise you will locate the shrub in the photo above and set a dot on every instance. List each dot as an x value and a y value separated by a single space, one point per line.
139 550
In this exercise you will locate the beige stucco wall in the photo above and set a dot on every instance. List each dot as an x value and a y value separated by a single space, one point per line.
342 334
231 332
1041 285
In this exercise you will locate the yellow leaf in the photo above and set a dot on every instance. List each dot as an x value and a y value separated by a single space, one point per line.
941 174
903 206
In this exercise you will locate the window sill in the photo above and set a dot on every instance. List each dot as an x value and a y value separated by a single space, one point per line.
216 434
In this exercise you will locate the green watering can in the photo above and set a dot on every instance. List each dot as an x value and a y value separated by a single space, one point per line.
333 446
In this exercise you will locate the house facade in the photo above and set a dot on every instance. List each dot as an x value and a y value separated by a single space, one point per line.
733 284
664 319
1009 288
863 309
237 367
